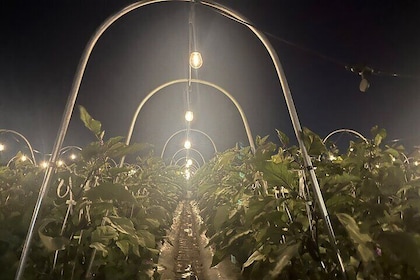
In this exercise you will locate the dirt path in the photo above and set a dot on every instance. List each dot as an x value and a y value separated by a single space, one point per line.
187 254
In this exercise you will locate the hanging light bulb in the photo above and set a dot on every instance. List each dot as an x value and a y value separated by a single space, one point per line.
196 61
187 144
364 84
189 116
187 174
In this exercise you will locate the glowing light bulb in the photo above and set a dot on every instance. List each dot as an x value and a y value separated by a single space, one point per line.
187 144
189 162
73 156
23 158
60 163
196 61
189 116
2 147
44 164
187 174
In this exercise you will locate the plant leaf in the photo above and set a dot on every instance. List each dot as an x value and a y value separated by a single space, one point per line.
284 140
104 234
288 253
92 124
218 256
52 243
148 238
110 191
124 245
402 246
222 214
313 142
122 224
256 256
100 247
278 174
359 239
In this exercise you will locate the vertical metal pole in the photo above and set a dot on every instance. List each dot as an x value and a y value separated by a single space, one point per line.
68 111
295 122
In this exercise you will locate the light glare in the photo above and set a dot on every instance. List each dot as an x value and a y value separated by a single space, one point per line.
2 147
189 116
187 144
187 174
196 61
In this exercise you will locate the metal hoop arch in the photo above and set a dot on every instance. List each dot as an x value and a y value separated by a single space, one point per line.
184 130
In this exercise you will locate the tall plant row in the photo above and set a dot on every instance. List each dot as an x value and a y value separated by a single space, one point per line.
103 221
98 220
260 212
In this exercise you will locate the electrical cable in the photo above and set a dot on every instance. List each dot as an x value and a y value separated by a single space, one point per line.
360 70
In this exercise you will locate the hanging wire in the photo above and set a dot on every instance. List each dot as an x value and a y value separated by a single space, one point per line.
191 47
362 71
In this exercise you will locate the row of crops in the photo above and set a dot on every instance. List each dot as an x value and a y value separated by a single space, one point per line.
98 220
102 221
258 210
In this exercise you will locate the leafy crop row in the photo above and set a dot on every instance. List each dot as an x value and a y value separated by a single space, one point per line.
103 221
258 210
98 220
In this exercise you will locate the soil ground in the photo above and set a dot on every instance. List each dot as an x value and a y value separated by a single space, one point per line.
187 247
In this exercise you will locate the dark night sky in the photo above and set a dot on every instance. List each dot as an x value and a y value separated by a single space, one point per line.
42 42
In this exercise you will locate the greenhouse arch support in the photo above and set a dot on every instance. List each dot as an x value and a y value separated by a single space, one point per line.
197 81
68 111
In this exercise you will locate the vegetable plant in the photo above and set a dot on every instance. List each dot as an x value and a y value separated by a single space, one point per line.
98 220
258 209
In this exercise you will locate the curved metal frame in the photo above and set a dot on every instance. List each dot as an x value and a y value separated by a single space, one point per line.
345 130
18 158
69 148
31 150
184 130
75 89
186 158
220 89
190 149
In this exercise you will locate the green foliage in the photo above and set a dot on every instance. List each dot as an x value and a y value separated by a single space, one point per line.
260 209
109 221
92 124
95 212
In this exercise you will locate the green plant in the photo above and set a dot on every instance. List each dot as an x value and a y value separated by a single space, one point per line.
102 220
259 209
98 219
